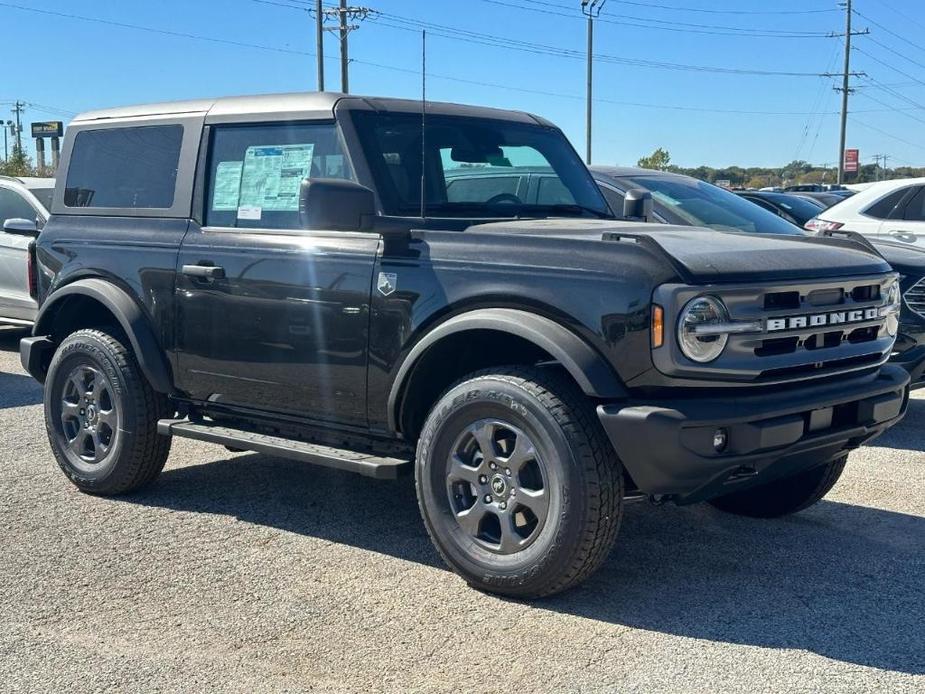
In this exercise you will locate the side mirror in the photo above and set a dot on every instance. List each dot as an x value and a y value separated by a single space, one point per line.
21 227
335 204
637 204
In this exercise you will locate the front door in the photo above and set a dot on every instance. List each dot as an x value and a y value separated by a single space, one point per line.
907 225
270 316
15 301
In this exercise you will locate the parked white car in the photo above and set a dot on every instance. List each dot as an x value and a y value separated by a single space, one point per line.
24 204
885 210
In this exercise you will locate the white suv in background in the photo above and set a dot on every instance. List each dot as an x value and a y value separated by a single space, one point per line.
886 210
24 204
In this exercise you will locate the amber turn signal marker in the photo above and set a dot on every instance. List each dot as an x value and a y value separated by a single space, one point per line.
658 326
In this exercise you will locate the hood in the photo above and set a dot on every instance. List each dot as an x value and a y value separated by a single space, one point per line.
702 255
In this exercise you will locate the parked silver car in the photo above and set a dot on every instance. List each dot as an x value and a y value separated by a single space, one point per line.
24 204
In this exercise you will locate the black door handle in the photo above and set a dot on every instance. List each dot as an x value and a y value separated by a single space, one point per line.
204 272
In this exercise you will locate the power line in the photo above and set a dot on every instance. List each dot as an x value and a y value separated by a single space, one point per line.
152 30
884 132
889 31
897 53
666 25
903 15
887 65
408 24
710 11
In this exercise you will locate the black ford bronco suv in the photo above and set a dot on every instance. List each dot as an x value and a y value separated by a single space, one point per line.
292 275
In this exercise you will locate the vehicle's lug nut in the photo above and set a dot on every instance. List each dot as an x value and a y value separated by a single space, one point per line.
513 492
503 505
488 498
482 479
507 471
493 466
82 411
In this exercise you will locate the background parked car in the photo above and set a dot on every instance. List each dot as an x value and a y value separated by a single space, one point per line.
24 204
679 199
827 199
882 210
793 208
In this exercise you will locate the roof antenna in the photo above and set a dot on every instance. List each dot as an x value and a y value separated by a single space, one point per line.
424 125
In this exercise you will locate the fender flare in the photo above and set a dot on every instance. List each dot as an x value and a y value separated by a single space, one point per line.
128 314
587 366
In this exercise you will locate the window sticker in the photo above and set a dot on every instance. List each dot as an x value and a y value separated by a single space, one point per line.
226 189
250 212
271 177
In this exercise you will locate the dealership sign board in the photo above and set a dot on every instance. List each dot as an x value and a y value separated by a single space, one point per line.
851 161
53 128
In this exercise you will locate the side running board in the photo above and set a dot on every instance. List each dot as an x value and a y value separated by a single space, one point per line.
363 463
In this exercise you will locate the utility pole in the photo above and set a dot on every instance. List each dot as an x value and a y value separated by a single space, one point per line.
319 41
347 19
7 126
845 89
592 10
18 108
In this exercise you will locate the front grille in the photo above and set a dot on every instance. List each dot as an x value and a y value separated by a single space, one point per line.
801 329
835 299
915 297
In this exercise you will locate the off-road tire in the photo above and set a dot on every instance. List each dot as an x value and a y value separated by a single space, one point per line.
135 453
583 474
784 496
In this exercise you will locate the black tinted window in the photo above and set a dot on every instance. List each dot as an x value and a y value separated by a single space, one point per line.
884 206
615 199
480 188
915 208
683 200
256 171
44 196
14 206
124 167
490 155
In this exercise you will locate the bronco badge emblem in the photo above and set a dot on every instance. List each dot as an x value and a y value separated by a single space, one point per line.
387 283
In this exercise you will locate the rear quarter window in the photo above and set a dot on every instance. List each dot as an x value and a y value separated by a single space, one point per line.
126 168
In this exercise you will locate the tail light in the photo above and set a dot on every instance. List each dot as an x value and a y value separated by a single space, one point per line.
32 271
817 224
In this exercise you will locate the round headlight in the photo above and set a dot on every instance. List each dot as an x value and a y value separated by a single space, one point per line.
893 299
694 336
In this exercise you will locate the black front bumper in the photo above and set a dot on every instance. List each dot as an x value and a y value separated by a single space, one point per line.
667 446
913 361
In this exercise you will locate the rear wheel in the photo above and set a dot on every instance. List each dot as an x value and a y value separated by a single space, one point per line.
785 496
101 415
519 488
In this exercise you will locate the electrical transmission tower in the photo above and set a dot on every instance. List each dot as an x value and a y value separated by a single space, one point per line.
347 19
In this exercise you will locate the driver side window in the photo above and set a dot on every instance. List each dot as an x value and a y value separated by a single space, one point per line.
14 206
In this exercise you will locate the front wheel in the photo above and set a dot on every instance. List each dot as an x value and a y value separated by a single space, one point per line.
518 485
784 496
101 415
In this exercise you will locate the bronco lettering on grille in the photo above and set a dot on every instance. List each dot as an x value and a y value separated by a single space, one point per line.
820 319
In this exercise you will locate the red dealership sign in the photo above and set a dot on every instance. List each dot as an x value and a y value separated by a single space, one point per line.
851 161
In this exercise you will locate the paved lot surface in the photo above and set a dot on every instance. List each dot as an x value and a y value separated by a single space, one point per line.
245 573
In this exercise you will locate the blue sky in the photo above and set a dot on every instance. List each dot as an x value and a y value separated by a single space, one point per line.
65 65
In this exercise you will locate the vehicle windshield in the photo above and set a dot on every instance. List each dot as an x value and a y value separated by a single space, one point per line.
476 168
801 209
698 203
44 196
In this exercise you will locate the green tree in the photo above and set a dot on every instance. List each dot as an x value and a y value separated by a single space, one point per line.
19 164
659 160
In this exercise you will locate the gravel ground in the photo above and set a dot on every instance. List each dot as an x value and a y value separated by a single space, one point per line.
237 572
